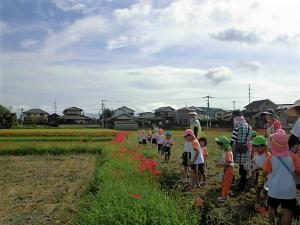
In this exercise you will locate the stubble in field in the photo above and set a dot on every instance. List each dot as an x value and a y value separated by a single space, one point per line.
42 189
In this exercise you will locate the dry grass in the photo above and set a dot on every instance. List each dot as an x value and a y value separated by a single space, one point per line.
42 189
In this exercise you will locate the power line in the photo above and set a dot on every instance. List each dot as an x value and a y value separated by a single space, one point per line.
208 97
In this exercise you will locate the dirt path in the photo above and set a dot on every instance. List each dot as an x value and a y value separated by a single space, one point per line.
42 189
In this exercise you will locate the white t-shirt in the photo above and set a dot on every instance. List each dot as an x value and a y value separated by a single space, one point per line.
160 139
195 145
281 182
140 138
296 128
259 160
187 146
168 143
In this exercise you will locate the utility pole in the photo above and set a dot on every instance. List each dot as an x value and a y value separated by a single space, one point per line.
249 93
234 105
103 107
208 97
22 118
55 107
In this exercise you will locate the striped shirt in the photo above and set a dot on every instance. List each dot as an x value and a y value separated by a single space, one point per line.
241 133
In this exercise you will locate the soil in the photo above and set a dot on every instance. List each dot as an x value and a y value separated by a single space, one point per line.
42 189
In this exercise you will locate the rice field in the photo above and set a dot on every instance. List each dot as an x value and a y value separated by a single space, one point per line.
91 177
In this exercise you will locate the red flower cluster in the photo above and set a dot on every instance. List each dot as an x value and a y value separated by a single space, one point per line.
120 137
136 196
262 211
148 165
198 202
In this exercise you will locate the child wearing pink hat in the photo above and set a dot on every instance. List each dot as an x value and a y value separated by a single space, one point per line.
281 167
196 160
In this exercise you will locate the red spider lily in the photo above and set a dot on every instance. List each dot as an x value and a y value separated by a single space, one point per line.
136 196
156 172
120 137
198 202
262 211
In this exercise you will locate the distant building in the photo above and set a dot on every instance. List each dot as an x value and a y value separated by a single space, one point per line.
123 110
165 115
37 116
74 115
214 113
122 119
183 118
282 113
253 112
222 115
146 119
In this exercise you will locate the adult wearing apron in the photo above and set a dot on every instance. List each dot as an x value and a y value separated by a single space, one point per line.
240 141
194 123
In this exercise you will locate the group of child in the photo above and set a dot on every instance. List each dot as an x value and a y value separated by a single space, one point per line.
272 165
157 137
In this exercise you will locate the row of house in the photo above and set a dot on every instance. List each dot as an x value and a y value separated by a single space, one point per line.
170 116
71 115
253 111
124 118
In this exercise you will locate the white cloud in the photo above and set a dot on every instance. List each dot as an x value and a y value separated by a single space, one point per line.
249 66
293 40
188 22
219 75
88 27
82 6
28 43
234 35
4 27
120 42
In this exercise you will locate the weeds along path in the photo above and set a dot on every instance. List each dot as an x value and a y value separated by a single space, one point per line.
128 191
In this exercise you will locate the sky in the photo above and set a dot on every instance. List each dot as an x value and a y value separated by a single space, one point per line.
147 53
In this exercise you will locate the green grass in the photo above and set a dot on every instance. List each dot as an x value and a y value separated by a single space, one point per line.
39 148
117 181
57 132
239 210
53 139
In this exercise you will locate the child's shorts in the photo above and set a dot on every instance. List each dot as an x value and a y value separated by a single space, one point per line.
167 151
199 168
290 204
144 141
140 142
154 141
159 147
186 158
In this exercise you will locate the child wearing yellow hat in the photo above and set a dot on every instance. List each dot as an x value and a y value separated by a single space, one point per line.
227 163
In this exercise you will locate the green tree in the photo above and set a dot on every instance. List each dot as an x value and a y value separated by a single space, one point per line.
7 118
